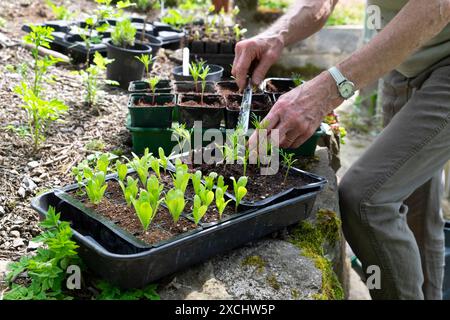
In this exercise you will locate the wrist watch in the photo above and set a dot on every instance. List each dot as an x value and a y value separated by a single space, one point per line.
346 88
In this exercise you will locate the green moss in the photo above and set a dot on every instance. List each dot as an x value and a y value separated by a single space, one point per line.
295 294
311 240
273 282
255 261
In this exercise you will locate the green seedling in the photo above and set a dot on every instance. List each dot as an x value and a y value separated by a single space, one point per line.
153 82
181 178
195 69
206 195
40 113
143 209
209 180
156 166
96 186
297 78
221 204
240 189
130 190
163 159
141 166
147 61
124 34
102 163
288 161
154 188
197 181
259 125
221 184
175 202
121 170
198 210
60 12
239 32
203 75
92 80
182 136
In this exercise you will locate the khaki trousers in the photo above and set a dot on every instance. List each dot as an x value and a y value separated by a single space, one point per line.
390 198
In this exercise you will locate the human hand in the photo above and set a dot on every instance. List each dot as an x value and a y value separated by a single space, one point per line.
263 50
298 113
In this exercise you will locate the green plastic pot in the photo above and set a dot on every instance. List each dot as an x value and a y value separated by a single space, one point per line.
151 138
141 86
158 116
308 149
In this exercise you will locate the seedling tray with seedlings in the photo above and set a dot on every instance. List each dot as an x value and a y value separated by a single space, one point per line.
152 218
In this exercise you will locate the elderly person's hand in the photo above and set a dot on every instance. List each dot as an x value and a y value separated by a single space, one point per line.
299 113
261 52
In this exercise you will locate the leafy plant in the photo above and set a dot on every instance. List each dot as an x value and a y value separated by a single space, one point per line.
92 80
147 61
240 189
110 292
143 209
142 165
221 184
60 12
259 125
209 180
153 82
297 78
239 32
181 135
46 269
155 164
195 69
40 36
163 159
221 204
121 170
124 34
130 189
203 75
176 19
40 113
181 177
288 161
175 202
197 181
154 188
96 187
198 209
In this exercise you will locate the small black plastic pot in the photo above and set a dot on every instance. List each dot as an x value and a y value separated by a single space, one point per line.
141 86
211 47
190 87
125 67
258 100
211 117
196 46
156 114
152 41
227 47
281 85
215 73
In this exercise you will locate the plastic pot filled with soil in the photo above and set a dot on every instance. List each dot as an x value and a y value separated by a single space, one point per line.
215 73
226 88
209 109
132 239
261 105
194 88
125 67
151 110
142 86
279 86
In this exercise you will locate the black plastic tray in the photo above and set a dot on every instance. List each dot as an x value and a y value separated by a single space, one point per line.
129 266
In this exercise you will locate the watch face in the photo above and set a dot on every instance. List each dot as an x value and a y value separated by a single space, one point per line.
347 89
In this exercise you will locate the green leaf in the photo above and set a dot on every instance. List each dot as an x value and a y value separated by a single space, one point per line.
175 203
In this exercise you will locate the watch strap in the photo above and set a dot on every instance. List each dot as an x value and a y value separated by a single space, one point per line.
337 75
